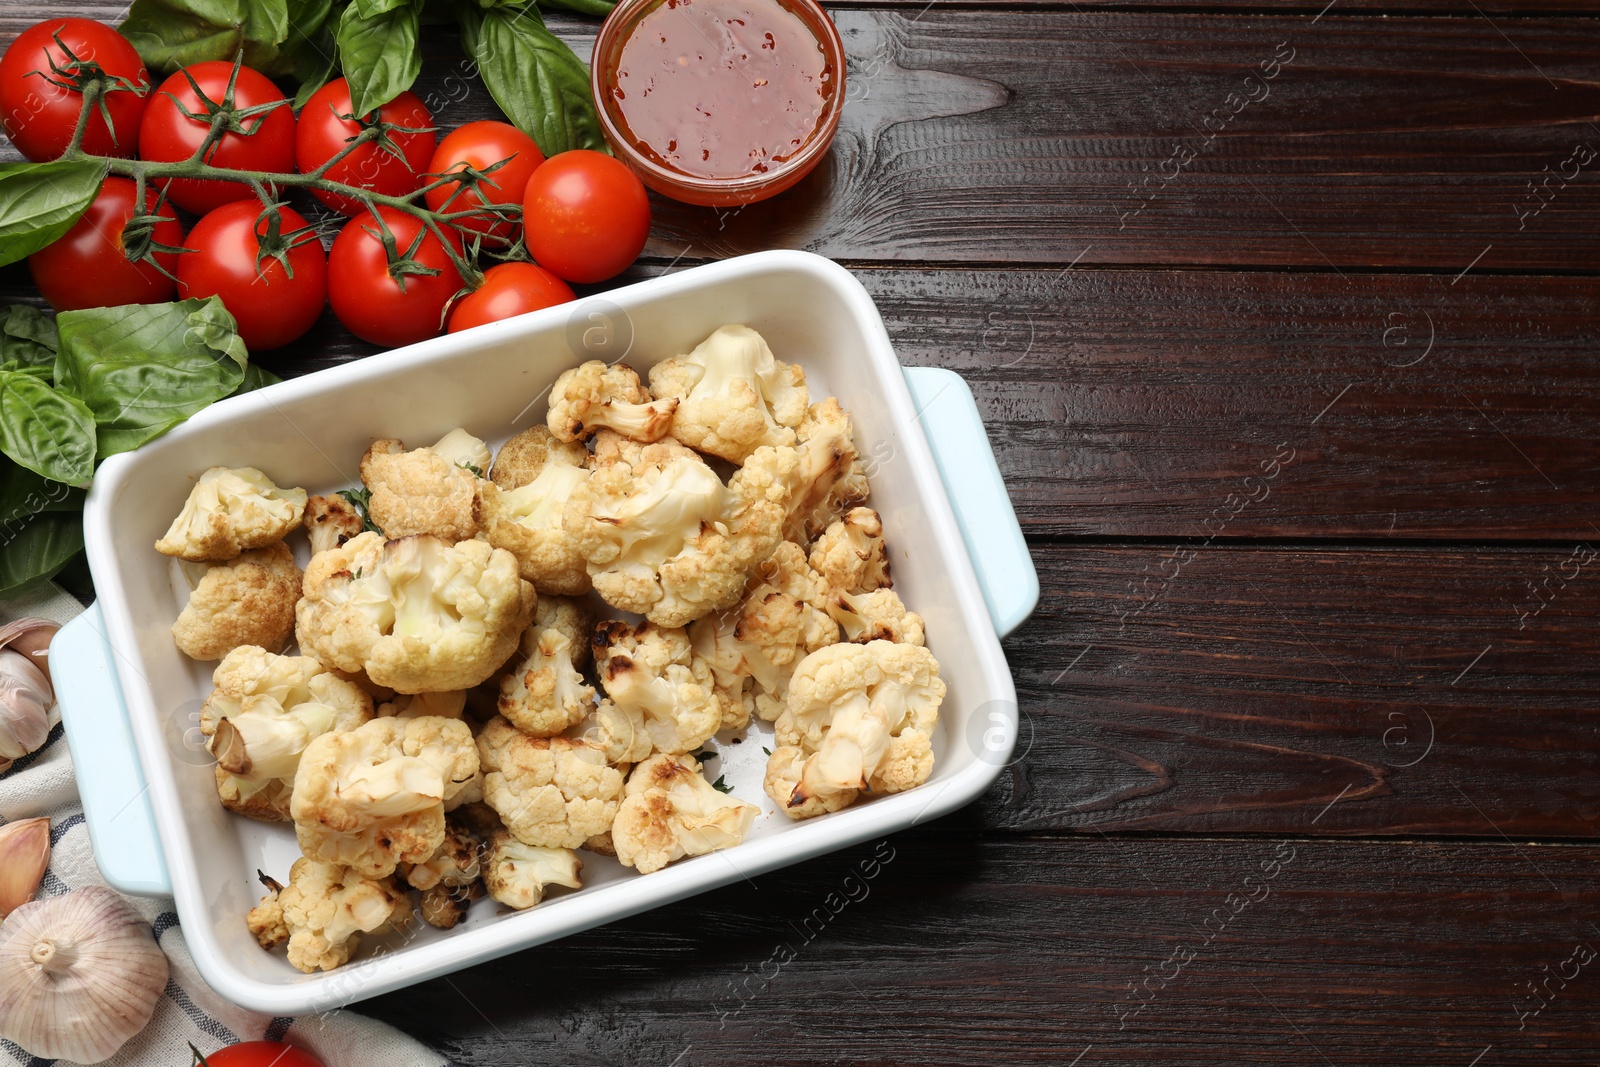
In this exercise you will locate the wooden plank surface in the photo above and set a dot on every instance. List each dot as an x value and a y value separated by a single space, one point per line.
939 947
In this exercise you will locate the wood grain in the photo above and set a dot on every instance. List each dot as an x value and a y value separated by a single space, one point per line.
969 951
1417 691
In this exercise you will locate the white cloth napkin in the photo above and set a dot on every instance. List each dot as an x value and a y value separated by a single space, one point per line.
189 1011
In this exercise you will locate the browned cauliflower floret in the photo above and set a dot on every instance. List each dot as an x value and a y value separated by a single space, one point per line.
229 510
733 396
671 811
331 521
444 906
782 783
596 396
828 481
544 693
451 880
517 874
249 600
262 713
528 507
863 715
521 459
619 732
753 648
666 539
451 705
431 490
851 556
417 614
323 912
653 671
876 616
373 798
551 792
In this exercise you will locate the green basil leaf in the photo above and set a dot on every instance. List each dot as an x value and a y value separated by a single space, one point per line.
537 81
310 55
24 493
169 34
35 550
49 432
378 55
585 7
144 369
40 201
371 9
27 339
256 378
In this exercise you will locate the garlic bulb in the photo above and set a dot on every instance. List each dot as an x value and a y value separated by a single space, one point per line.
25 690
24 854
80 974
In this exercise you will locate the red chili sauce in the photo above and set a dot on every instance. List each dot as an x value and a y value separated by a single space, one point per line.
720 88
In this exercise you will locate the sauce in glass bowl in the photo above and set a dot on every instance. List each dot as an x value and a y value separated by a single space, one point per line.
719 101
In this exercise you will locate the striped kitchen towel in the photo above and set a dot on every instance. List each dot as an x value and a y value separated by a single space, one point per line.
189 1012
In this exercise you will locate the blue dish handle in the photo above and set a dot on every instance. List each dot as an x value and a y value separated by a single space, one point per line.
116 804
977 494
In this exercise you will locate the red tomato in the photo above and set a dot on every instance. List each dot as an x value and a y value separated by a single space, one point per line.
39 117
586 214
87 267
261 1054
481 145
166 136
324 131
507 290
271 303
368 296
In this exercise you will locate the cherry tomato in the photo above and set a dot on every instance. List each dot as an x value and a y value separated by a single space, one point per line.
88 267
586 215
507 290
166 136
261 1054
324 131
39 115
481 145
367 294
271 303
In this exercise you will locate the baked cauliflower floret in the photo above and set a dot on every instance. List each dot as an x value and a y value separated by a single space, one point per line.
653 671
876 616
416 614
864 715
530 518
671 811
516 874
829 480
249 600
451 705
430 490
323 912
598 396
782 783
520 459
620 733
373 798
331 521
230 510
544 693
551 792
850 555
454 864
733 396
262 713
666 539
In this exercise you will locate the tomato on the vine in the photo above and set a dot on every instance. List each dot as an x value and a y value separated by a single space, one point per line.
39 110
261 1054
396 304
326 126
88 266
586 214
272 302
507 290
261 140
481 145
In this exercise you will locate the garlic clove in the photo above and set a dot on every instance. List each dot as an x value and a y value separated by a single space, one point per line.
31 637
24 855
25 699
80 974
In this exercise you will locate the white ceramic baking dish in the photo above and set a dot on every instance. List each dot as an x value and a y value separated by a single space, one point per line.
155 822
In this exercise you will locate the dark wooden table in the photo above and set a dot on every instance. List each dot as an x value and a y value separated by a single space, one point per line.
1282 317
